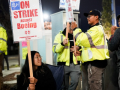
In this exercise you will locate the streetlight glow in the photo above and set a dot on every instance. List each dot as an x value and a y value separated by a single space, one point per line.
46 17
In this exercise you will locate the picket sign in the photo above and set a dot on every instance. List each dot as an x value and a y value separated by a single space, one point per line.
26 23
69 18
75 4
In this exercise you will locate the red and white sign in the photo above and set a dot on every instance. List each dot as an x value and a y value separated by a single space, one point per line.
25 17
69 11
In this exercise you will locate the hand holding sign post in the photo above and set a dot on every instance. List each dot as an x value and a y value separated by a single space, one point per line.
25 18
69 18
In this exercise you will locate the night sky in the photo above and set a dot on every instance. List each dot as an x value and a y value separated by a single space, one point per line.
52 6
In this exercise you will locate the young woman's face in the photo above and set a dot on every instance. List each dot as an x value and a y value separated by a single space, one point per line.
37 59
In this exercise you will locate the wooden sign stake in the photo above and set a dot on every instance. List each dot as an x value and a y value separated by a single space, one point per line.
67 29
29 59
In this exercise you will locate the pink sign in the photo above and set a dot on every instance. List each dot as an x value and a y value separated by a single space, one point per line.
24 43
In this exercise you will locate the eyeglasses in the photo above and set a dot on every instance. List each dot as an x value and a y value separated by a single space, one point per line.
37 57
89 16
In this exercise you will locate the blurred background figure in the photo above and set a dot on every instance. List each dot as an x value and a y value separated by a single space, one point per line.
6 59
47 26
3 50
114 47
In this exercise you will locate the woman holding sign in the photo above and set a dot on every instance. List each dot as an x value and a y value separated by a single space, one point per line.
42 76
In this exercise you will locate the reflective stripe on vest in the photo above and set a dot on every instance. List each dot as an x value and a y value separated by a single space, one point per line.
92 44
90 40
77 35
3 39
55 44
66 47
61 38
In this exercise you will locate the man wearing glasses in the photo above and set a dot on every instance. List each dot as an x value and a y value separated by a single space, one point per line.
94 49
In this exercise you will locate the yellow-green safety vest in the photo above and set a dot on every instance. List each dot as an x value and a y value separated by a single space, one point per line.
93 42
3 41
63 52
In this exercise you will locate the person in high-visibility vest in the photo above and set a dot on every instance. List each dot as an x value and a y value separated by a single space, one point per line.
94 48
63 46
114 46
3 49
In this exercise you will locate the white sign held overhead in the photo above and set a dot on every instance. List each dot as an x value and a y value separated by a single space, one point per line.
25 18
69 11
75 4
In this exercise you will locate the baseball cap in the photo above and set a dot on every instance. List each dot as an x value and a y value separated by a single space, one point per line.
118 17
94 12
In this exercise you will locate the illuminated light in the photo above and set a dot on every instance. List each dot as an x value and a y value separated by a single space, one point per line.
46 16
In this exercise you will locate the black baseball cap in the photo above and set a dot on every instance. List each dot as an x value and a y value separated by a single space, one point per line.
118 17
94 12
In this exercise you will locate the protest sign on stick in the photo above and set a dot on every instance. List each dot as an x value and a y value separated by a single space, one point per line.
69 18
69 14
75 4
26 23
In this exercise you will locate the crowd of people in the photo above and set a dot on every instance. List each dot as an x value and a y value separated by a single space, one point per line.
92 49
89 49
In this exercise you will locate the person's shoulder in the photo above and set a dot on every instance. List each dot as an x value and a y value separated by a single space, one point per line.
76 29
118 29
2 28
96 28
59 34
45 66
117 32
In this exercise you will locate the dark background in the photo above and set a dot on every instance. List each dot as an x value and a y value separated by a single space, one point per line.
50 7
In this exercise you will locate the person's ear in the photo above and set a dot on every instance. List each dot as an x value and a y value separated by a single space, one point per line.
97 17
